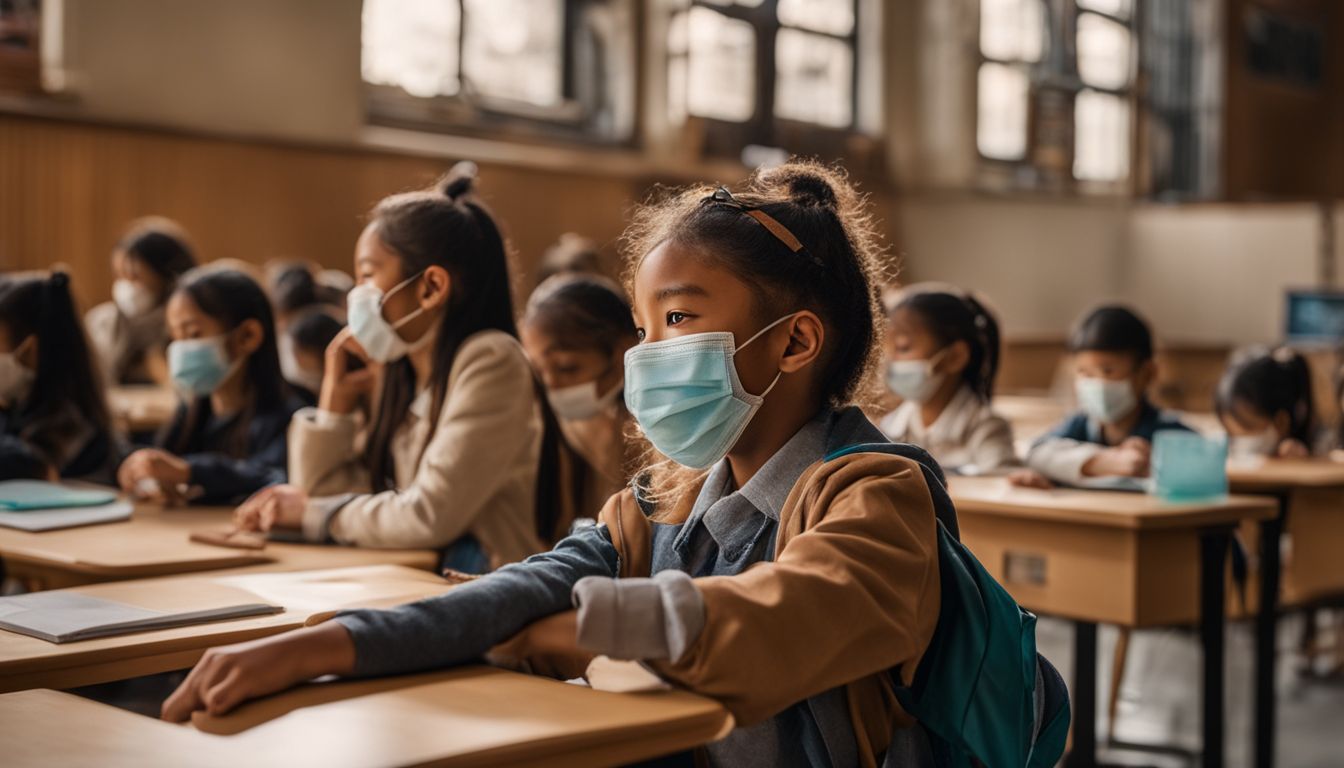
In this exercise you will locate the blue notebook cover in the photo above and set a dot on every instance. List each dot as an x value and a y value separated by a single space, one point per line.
24 495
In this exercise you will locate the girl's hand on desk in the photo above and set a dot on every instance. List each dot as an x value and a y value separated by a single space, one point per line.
279 506
1029 478
166 471
1292 448
228 676
344 384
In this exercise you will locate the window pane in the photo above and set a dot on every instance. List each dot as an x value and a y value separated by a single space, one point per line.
1117 8
814 79
514 49
411 44
1103 51
1012 30
1001 130
1101 137
721 71
832 16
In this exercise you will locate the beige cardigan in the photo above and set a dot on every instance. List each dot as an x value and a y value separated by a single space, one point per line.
478 474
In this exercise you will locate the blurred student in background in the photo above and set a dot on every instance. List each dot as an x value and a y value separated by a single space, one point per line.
227 440
1264 402
54 421
128 334
942 350
576 330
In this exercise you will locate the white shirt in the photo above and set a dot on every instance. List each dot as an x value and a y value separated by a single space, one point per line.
967 436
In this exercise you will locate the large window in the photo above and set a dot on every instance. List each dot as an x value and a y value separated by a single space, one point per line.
545 67
781 73
1053 92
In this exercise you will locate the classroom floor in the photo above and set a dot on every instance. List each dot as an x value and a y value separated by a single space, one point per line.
1160 696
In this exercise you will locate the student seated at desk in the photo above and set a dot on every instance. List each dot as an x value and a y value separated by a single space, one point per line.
1112 436
227 439
786 586
303 351
943 354
451 457
576 330
1264 402
129 334
54 421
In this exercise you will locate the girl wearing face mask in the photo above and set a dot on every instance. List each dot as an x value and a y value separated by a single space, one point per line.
785 584
428 430
1112 435
303 348
942 355
1264 402
227 439
129 333
576 330
53 420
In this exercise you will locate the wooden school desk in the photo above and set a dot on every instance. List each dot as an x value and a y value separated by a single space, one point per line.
1313 491
27 662
141 408
1109 557
154 542
471 716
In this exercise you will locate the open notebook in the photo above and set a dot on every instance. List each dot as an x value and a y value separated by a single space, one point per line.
63 617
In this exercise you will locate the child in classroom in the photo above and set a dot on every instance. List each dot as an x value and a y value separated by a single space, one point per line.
128 334
758 323
1264 401
227 439
576 329
1112 434
450 456
303 349
54 421
942 349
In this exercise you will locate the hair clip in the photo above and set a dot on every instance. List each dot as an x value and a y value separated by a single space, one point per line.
722 196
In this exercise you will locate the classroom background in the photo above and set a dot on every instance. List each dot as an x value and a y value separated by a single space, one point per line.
1182 157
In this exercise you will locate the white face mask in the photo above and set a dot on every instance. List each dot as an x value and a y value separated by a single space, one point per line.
915 380
132 298
16 380
293 372
1105 400
581 401
378 337
1259 445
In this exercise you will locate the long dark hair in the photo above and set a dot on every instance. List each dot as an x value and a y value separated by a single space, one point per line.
447 226
954 316
1270 382
162 246
66 373
232 298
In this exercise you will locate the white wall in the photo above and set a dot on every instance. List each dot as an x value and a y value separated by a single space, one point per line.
271 68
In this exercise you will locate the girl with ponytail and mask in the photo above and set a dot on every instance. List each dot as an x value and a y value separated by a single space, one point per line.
762 564
942 356
1264 402
428 430
1112 435
129 334
54 422
576 330
227 439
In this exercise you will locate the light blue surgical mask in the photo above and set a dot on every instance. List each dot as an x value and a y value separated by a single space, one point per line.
199 366
686 395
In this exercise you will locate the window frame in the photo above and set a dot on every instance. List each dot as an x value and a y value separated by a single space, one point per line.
486 116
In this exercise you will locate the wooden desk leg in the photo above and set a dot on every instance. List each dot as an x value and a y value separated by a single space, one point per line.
1212 557
1083 696
1266 624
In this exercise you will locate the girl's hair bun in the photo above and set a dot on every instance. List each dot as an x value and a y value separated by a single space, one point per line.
58 279
459 181
804 185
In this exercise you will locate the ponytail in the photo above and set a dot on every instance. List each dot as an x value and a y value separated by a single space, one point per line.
1270 382
951 315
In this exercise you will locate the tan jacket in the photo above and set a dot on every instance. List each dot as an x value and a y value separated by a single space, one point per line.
853 591
477 475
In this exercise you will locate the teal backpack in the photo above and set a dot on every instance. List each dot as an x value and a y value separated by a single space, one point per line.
981 692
